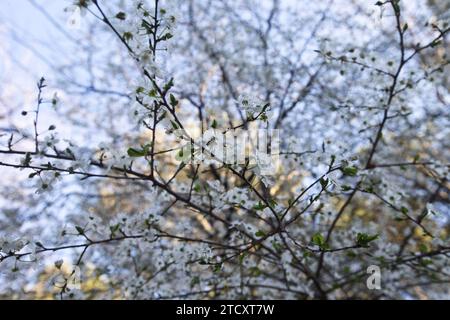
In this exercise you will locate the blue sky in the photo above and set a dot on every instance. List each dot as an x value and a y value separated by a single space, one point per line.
28 37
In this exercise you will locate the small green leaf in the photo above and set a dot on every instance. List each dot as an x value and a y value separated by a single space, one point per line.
79 229
153 93
276 246
127 36
263 117
32 175
423 248
39 244
272 203
194 281
435 43
255 271
426 262
318 239
27 160
345 187
59 263
395 4
260 234
259 206
168 85
350 171
217 267
324 182
363 239
173 101
174 125
135 153
121 16
167 36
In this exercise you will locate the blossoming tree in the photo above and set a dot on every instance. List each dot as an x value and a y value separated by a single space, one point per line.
358 165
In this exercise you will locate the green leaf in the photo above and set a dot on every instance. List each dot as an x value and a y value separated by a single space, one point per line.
363 239
350 171
135 153
140 90
324 182
426 262
59 263
174 125
27 160
214 124
260 206
195 280
242 257
217 267
197 187
167 36
173 101
121 16
423 248
180 154
260 234
276 246
395 4
346 188
404 210
263 117
162 116
272 203
79 229
127 36
32 175
318 239
255 271
435 43
39 244
168 85
333 159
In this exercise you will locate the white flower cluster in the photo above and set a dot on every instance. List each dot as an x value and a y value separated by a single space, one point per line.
10 244
136 25
49 142
251 105
113 158
233 197
46 181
